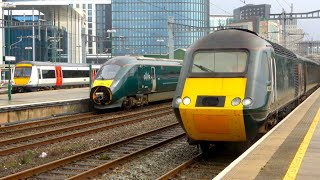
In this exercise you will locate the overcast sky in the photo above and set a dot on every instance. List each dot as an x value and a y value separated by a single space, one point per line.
310 26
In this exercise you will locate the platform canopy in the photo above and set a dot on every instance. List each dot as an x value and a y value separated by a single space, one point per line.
58 14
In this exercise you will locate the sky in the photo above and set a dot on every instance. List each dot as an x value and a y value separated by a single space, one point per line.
310 26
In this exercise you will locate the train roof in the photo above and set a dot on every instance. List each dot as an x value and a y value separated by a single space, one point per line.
230 38
125 60
40 63
235 38
308 60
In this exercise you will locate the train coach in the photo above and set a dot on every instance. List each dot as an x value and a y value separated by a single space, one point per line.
128 81
33 76
235 85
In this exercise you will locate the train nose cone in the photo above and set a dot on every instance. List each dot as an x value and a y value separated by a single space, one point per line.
101 95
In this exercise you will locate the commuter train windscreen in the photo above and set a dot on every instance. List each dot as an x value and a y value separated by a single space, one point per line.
22 72
220 61
108 72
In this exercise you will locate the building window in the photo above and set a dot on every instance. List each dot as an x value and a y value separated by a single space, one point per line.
89 13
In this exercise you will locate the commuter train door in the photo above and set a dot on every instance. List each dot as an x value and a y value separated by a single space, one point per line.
153 79
145 81
58 75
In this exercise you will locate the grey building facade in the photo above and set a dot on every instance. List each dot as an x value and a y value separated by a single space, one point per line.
250 11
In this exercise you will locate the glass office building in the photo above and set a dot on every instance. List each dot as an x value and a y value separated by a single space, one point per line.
21 40
141 27
98 14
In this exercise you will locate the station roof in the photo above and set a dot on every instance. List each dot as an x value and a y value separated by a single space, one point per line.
49 8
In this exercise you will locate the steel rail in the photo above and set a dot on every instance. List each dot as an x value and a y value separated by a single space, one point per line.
74 127
178 169
28 125
53 121
71 136
55 164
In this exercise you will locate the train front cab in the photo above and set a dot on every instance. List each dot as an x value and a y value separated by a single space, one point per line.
212 86
22 76
214 103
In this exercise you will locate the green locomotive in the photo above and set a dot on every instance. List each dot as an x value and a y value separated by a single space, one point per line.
128 81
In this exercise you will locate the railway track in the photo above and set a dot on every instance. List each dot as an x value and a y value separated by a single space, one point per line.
23 128
93 162
201 167
13 145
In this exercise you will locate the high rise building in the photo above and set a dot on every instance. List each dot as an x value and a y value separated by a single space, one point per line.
292 36
250 11
98 22
142 26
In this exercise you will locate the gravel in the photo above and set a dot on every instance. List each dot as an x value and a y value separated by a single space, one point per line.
30 158
154 164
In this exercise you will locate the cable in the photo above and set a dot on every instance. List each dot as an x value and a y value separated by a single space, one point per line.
287 3
163 9
280 5
220 8
244 2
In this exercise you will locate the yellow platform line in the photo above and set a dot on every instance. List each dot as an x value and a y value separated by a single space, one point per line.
296 162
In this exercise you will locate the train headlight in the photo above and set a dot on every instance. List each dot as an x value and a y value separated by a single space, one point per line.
236 101
247 101
178 100
186 101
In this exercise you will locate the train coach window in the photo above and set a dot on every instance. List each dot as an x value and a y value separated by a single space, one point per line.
107 72
22 72
48 74
220 62
75 73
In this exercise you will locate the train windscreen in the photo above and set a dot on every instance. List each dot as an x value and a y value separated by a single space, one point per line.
108 71
220 61
22 72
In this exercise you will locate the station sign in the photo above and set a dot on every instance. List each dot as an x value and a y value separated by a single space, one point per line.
10 58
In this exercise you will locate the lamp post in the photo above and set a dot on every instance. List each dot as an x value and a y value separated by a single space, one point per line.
110 31
9 5
160 40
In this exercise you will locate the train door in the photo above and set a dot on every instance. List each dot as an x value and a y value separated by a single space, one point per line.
300 79
303 77
58 75
38 74
153 79
273 85
144 83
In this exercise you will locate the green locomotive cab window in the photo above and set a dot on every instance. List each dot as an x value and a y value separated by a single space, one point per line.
22 72
108 71
220 61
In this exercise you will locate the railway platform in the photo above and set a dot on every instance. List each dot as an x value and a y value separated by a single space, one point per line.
291 150
42 104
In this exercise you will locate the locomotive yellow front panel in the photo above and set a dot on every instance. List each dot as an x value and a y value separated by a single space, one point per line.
21 81
105 83
213 122
22 77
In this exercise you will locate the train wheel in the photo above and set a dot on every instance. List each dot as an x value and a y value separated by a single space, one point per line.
128 103
204 148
